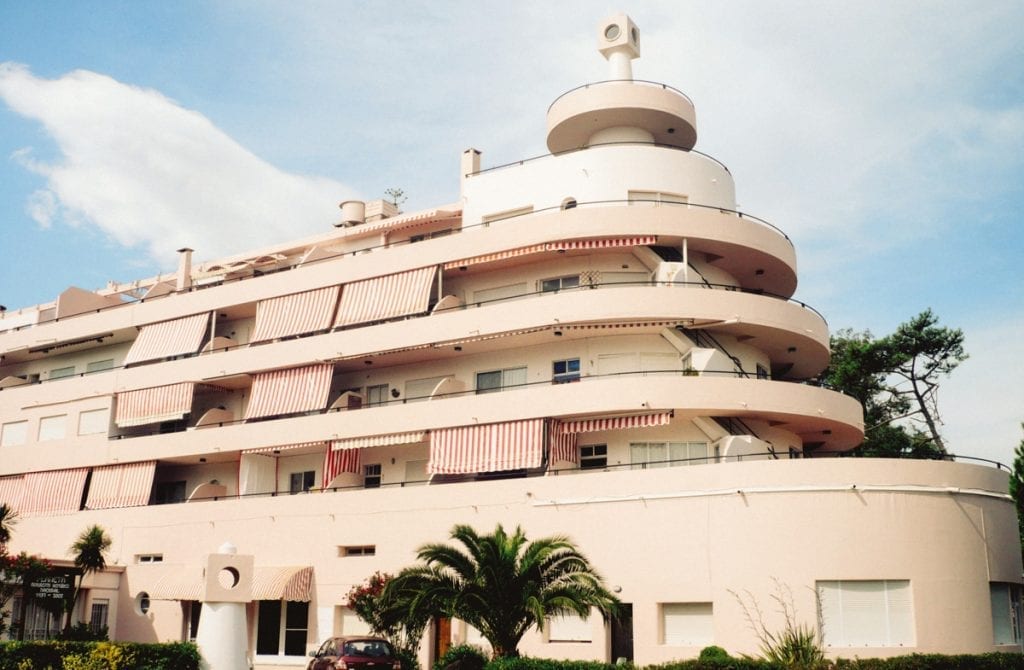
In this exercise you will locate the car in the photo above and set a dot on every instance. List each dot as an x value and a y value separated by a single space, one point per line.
354 653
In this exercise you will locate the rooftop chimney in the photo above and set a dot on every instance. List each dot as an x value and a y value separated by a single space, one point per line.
184 269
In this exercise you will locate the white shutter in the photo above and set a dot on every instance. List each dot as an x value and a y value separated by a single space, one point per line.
352 624
901 613
569 628
653 361
52 427
866 613
93 421
500 292
513 377
14 434
610 364
687 624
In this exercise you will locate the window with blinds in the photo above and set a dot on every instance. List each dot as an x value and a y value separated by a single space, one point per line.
569 628
866 613
687 624
53 427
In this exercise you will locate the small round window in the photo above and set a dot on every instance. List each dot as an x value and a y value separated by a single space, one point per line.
142 603
612 32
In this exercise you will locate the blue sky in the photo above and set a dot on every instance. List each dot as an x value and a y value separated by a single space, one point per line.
887 140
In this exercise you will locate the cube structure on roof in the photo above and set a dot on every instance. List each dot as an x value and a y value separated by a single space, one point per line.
595 343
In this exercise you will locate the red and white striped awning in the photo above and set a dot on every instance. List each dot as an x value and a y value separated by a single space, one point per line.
282 583
380 440
337 461
127 485
295 314
564 446
289 391
168 338
385 297
603 243
616 422
285 447
53 492
12 490
490 447
566 245
153 405
398 222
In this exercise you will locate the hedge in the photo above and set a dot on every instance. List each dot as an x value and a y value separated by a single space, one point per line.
65 655
1000 661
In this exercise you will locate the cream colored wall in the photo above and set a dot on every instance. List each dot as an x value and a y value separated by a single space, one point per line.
688 534
599 173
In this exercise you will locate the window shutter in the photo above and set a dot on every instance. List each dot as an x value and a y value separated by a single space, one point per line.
687 624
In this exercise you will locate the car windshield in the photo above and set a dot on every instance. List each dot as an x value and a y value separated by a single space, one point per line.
373 648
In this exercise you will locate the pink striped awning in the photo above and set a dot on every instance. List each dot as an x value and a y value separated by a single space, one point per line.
168 338
566 245
153 405
12 490
285 447
487 448
125 485
564 446
295 314
293 583
53 492
394 223
289 391
604 243
380 440
616 422
337 461
385 297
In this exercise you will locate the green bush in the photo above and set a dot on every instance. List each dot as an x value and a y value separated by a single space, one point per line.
713 653
527 663
462 657
74 655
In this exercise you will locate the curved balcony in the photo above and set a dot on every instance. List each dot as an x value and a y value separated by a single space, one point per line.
666 113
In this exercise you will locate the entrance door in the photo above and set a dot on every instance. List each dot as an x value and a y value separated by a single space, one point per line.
622 634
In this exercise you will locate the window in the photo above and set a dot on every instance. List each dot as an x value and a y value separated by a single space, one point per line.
99 366
169 492
376 395
1006 613
358 550
569 628
506 214
420 389
500 292
593 456
415 473
52 427
149 558
371 476
281 628
687 624
762 372
93 422
655 198
868 613
565 371
560 283
429 236
98 614
14 433
300 482
59 373
665 454
351 624
496 380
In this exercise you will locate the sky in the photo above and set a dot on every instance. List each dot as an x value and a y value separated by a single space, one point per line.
885 138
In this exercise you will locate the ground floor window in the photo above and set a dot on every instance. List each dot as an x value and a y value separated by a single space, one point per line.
1006 613
98 614
866 613
569 628
40 623
281 628
687 624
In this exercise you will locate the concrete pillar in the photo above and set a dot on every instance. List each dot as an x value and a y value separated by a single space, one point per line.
223 638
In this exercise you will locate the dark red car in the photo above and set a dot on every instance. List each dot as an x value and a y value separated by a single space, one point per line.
354 653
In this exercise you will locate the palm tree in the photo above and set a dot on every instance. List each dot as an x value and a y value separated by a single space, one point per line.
8 519
90 551
500 584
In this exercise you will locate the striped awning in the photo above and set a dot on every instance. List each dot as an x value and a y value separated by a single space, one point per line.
564 445
379 440
398 222
289 391
284 447
487 448
153 405
385 297
293 583
616 422
168 338
337 461
295 314
566 245
53 492
185 582
127 485
12 490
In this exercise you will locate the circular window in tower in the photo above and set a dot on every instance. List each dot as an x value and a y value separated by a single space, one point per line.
142 603
612 32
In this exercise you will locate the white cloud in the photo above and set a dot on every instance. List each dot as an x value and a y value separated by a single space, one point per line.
150 173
